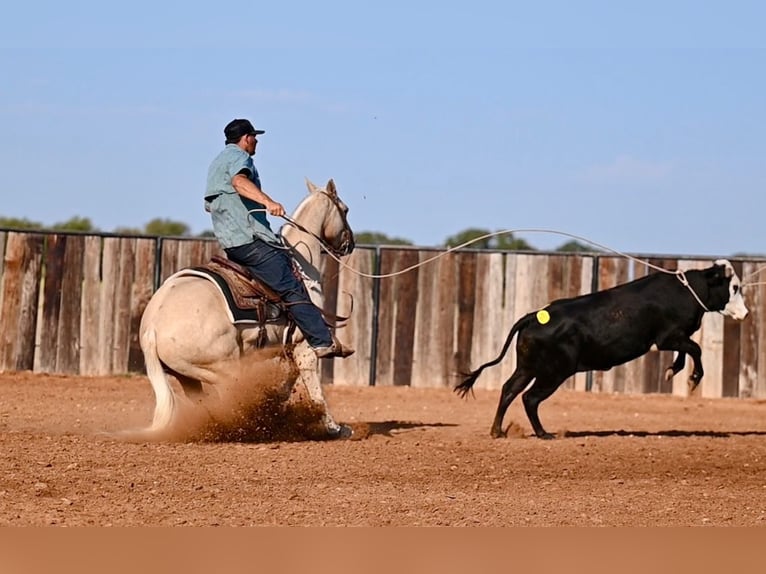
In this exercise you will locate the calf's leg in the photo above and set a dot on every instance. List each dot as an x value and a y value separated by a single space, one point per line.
516 383
537 393
689 347
676 367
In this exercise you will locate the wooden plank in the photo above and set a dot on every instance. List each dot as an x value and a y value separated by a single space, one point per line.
68 335
107 309
141 291
28 324
749 365
22 268
121 340
435 322
760 388
355 301
731 350
488 332
406 286
556 277
446 322
711 342
466 289
386 315
189 254
509 317
3 235
168 258
91 306
45 360
426 356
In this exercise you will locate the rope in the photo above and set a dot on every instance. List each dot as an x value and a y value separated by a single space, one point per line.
681 275
493 234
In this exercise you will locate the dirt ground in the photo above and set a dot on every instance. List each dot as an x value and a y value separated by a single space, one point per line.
419 457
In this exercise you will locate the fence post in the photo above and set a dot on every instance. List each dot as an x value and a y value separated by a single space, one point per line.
375 312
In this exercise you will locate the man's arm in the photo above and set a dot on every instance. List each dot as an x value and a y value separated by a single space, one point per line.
246 188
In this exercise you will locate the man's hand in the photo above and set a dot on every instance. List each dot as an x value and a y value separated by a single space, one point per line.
275 208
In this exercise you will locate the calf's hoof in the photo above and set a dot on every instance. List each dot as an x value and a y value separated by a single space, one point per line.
668 374
546 436
694 381
497 433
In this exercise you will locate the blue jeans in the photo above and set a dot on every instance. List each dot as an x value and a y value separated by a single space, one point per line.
274 267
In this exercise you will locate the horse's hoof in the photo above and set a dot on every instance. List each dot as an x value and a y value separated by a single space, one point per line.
342 432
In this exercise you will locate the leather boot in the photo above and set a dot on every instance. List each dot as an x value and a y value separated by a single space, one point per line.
337 349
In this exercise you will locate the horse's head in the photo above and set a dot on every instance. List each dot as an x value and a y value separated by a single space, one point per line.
335 231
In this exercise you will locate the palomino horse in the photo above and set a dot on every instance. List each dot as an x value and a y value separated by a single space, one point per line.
186 330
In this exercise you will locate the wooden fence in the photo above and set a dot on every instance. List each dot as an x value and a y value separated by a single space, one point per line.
72 303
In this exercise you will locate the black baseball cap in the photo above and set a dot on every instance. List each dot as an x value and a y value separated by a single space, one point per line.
235 129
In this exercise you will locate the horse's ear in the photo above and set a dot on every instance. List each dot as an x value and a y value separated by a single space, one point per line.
331 188
312 188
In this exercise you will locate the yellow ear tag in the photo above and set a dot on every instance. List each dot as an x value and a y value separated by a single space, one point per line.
543 316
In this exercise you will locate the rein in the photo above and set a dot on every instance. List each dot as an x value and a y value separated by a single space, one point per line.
346 235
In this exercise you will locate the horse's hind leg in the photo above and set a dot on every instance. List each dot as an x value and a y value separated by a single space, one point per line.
306 361
163 393
192 387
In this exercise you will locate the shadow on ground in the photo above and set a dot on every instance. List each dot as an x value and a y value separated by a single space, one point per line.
389 428
668 433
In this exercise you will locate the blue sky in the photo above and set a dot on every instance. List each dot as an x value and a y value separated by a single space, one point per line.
640 125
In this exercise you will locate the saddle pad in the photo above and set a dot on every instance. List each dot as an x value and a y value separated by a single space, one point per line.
237 315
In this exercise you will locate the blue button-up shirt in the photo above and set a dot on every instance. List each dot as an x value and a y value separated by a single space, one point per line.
237 220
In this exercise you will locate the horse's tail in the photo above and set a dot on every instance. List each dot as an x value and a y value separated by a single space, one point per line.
470 378
163 393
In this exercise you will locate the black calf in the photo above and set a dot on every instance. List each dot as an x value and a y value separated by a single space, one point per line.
608 328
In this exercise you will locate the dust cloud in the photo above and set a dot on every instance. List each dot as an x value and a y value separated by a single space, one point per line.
259 402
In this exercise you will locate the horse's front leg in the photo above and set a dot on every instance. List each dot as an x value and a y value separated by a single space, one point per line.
308 375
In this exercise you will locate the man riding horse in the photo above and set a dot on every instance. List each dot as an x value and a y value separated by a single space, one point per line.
238 207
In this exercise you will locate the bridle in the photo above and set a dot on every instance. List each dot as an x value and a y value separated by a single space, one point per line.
346 235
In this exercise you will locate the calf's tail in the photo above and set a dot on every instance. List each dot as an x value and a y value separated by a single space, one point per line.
463 388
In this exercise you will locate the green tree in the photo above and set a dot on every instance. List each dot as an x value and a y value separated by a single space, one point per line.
128 231
377 238
19 223
207 233
166 228
574 246
508 242
75 224
484 239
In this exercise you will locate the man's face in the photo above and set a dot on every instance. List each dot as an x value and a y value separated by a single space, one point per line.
251 140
